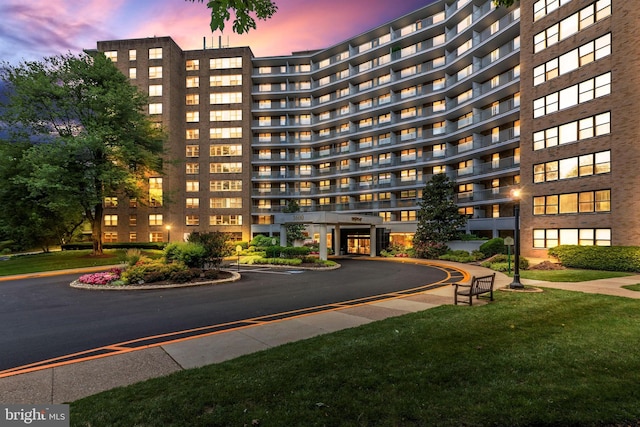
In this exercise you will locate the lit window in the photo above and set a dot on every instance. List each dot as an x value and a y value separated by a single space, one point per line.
193 81
155 108
225 63
112 55
155 53
155 219
111 220
155 72
192 65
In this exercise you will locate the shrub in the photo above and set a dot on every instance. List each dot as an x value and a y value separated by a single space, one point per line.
429 250
211 274
287 251
181 276
609 258
141 272
262 241
279 261
457 256
132 256
216 245
493 247
117 245
154 276
496 261
188 253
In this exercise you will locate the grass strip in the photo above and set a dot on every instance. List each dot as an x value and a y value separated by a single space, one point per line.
551 358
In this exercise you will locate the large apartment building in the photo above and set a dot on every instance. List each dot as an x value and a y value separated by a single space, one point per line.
496 100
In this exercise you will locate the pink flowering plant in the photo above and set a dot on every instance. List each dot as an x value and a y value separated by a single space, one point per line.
102 278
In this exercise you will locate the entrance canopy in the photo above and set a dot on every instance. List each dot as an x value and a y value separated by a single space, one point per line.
327 218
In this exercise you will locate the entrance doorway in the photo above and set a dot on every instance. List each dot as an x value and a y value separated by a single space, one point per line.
360 245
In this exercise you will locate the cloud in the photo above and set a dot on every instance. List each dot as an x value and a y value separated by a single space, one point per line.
31 30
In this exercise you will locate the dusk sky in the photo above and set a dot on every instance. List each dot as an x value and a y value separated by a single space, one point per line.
33 29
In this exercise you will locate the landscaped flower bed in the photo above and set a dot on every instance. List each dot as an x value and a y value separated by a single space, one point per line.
102 278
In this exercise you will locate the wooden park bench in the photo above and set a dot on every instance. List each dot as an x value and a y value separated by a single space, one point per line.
478 286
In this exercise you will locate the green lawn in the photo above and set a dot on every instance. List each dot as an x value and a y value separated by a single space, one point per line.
551 358
21 264
570 275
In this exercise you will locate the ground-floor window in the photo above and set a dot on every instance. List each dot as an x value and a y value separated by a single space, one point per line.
110 237
156 236
550 237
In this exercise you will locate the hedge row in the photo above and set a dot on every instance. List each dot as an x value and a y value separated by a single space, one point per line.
122 245
286 251
609 258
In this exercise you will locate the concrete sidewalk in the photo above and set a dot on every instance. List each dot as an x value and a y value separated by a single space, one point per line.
70 382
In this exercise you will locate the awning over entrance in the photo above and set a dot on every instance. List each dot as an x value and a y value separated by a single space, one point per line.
323 219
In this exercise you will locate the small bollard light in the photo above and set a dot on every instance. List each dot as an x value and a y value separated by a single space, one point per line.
238 251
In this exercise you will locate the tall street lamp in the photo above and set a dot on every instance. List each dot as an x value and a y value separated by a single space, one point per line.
515 195
168 227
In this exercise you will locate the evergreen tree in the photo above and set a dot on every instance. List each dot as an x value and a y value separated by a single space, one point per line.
438 218
294 231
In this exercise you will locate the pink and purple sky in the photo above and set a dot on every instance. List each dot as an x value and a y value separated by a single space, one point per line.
33 29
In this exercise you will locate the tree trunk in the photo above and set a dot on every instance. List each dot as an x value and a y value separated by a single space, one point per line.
96 230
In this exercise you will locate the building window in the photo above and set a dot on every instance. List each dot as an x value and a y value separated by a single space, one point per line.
225 98
155 53
155 219
193 82
549 238
155 72
133 54
225 220
192 65
112 55
225 63
225 185
156 236
155 191
572 60
573 203
133 73
192 186
110 236
192 116
225 115
573 95
225 80
155 108
407 216
232 167
191 220
110 202
133 220
192 151
225 133
133 236
111 220
192 168
225 150
192 99
571 25
573 167
155 90
578 130
408 175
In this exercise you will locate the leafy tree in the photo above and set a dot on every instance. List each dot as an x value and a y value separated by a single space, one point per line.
89 135
34 219
294 231
242 9
438 218
216 245
504 3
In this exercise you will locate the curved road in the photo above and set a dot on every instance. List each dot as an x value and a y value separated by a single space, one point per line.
44 318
